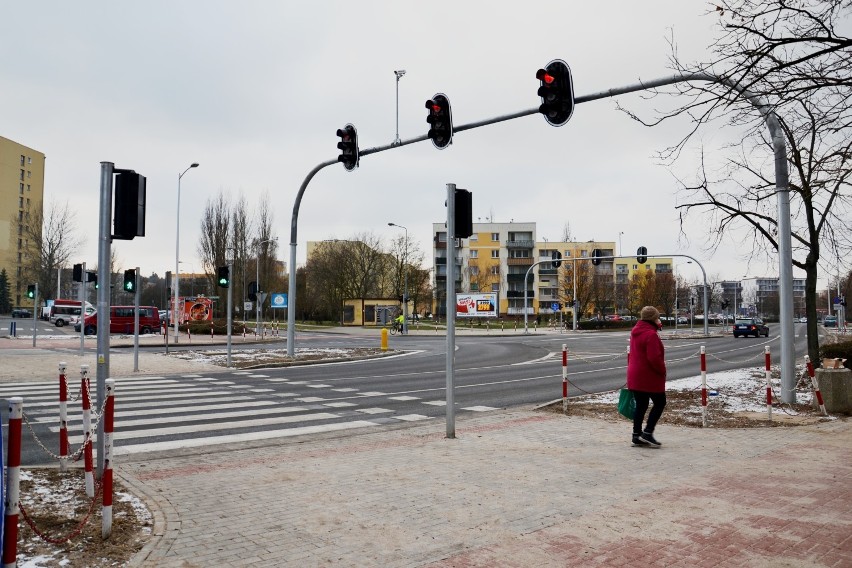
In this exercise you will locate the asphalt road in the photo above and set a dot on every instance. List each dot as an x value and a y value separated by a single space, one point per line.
182 413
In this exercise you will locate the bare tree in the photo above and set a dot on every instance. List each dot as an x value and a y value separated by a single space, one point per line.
216 237
50 238
240 247
791 55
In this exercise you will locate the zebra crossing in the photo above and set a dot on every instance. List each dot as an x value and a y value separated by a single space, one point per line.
154 414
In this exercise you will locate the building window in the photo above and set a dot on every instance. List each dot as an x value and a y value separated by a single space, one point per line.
474 287
495 254
29 160
495 287
22 160
22 175
22 189
28 202
635 267
474 254
567 254
495 270
29 174
28 187
584 253
495 237
473 237
474 271
442 237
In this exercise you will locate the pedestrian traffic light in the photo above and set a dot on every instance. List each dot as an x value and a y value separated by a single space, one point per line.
252 291
348 146
168 280
31 289
464 214
92 277
440 119
556 257
596 257
77 273
130 280
129 217
641 255
556 92
223 276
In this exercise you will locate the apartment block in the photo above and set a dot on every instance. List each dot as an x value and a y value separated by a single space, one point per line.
502 258
21 198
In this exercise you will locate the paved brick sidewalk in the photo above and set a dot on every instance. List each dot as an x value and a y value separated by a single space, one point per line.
514 489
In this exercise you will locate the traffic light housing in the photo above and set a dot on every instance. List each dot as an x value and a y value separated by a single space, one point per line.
724 304
31 291
348 146
596 257
556 257
223 276
252 291
92 277
440 119
556 92
641 255
464 214
129 216
130 280
77 273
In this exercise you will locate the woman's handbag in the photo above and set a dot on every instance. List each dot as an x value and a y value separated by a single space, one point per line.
626 404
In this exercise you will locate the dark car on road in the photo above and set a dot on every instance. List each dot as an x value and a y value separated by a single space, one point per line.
750 326
21 313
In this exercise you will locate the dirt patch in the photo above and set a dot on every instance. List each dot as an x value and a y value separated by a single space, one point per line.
57 505
683 408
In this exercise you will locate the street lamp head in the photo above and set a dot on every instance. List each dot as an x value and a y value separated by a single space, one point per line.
193 165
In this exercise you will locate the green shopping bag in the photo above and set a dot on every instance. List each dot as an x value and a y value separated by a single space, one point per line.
626 404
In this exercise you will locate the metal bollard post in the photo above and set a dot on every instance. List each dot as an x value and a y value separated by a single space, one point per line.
106 489
768 383
564 379
88 464
703 387
63 418
13 483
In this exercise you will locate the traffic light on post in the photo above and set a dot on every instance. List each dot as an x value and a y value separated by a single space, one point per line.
31 291
223 276
464 214
556 92
557 259
92 277
596 257
641 255
77 273
130 280
348 146
440 119
252 291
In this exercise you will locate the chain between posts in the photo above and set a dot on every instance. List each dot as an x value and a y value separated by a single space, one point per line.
73 533
87 439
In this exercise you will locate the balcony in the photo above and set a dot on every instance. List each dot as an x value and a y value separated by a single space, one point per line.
520 311
520 244
519 261
519 294
516 277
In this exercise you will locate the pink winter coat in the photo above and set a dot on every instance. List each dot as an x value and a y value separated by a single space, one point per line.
646 369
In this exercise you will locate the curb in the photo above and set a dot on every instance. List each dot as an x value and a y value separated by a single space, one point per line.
166 527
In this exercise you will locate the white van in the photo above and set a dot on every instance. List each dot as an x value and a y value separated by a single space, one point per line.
61 315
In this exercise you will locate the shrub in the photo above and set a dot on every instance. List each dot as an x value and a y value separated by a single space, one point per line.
839 349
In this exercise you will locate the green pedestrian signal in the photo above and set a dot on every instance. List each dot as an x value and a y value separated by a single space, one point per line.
130 280
224 276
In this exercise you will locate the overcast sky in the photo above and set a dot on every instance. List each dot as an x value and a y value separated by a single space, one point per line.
254 92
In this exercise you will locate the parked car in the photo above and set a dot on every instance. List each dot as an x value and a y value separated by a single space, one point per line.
750 326
830 321
21 313
164 316
613 317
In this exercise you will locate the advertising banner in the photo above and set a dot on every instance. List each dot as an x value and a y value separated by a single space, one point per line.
194 309
476 305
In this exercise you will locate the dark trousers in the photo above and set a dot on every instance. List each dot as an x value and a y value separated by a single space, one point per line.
642 399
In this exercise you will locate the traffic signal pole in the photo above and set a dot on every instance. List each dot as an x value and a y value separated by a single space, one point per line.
785 251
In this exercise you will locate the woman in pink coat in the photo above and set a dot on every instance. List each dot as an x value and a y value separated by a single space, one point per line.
646 375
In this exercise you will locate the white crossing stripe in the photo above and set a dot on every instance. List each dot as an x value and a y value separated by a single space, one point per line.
121 450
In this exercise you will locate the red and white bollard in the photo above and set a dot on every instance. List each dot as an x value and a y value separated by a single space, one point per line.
812 375
88 464
768 383
703 387
106 498
13 483
211 331
564 378
63 417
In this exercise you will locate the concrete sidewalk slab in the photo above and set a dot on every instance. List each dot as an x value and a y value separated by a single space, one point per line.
515 488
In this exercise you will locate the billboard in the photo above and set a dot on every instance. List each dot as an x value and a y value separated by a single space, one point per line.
476 305
197 308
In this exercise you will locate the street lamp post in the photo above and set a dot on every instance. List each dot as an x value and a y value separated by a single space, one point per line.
177 253
257 279
405 277
399 74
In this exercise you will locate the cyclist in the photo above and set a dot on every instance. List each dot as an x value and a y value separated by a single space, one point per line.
399 321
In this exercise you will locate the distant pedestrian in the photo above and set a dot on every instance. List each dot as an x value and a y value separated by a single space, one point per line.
646 375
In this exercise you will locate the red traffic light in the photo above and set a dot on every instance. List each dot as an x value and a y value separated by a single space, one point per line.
440 118
543 75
